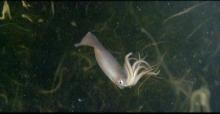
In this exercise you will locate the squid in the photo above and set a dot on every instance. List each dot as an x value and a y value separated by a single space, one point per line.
133 70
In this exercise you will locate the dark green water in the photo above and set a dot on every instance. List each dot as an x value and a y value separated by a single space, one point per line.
41 70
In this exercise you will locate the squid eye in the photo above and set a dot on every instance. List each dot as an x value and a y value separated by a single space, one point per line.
121 82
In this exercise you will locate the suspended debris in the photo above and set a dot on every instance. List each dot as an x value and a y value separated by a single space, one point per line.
6 11
73 23
27 17
25 4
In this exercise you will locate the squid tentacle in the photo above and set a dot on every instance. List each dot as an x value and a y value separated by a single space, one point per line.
136 68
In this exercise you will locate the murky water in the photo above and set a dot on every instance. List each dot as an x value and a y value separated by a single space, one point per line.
41 70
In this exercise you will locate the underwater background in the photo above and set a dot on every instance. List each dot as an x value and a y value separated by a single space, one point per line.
42 71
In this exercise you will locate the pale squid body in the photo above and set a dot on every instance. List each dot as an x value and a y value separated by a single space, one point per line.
122 77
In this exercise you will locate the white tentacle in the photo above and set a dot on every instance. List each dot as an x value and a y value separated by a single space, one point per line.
137 70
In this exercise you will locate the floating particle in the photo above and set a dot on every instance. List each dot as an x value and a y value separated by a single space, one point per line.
40 20
73 23
6 11
138 8
25 4
217 83
52 8
79 100
27 17
200 61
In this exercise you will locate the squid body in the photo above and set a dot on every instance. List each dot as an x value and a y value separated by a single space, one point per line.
133 70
